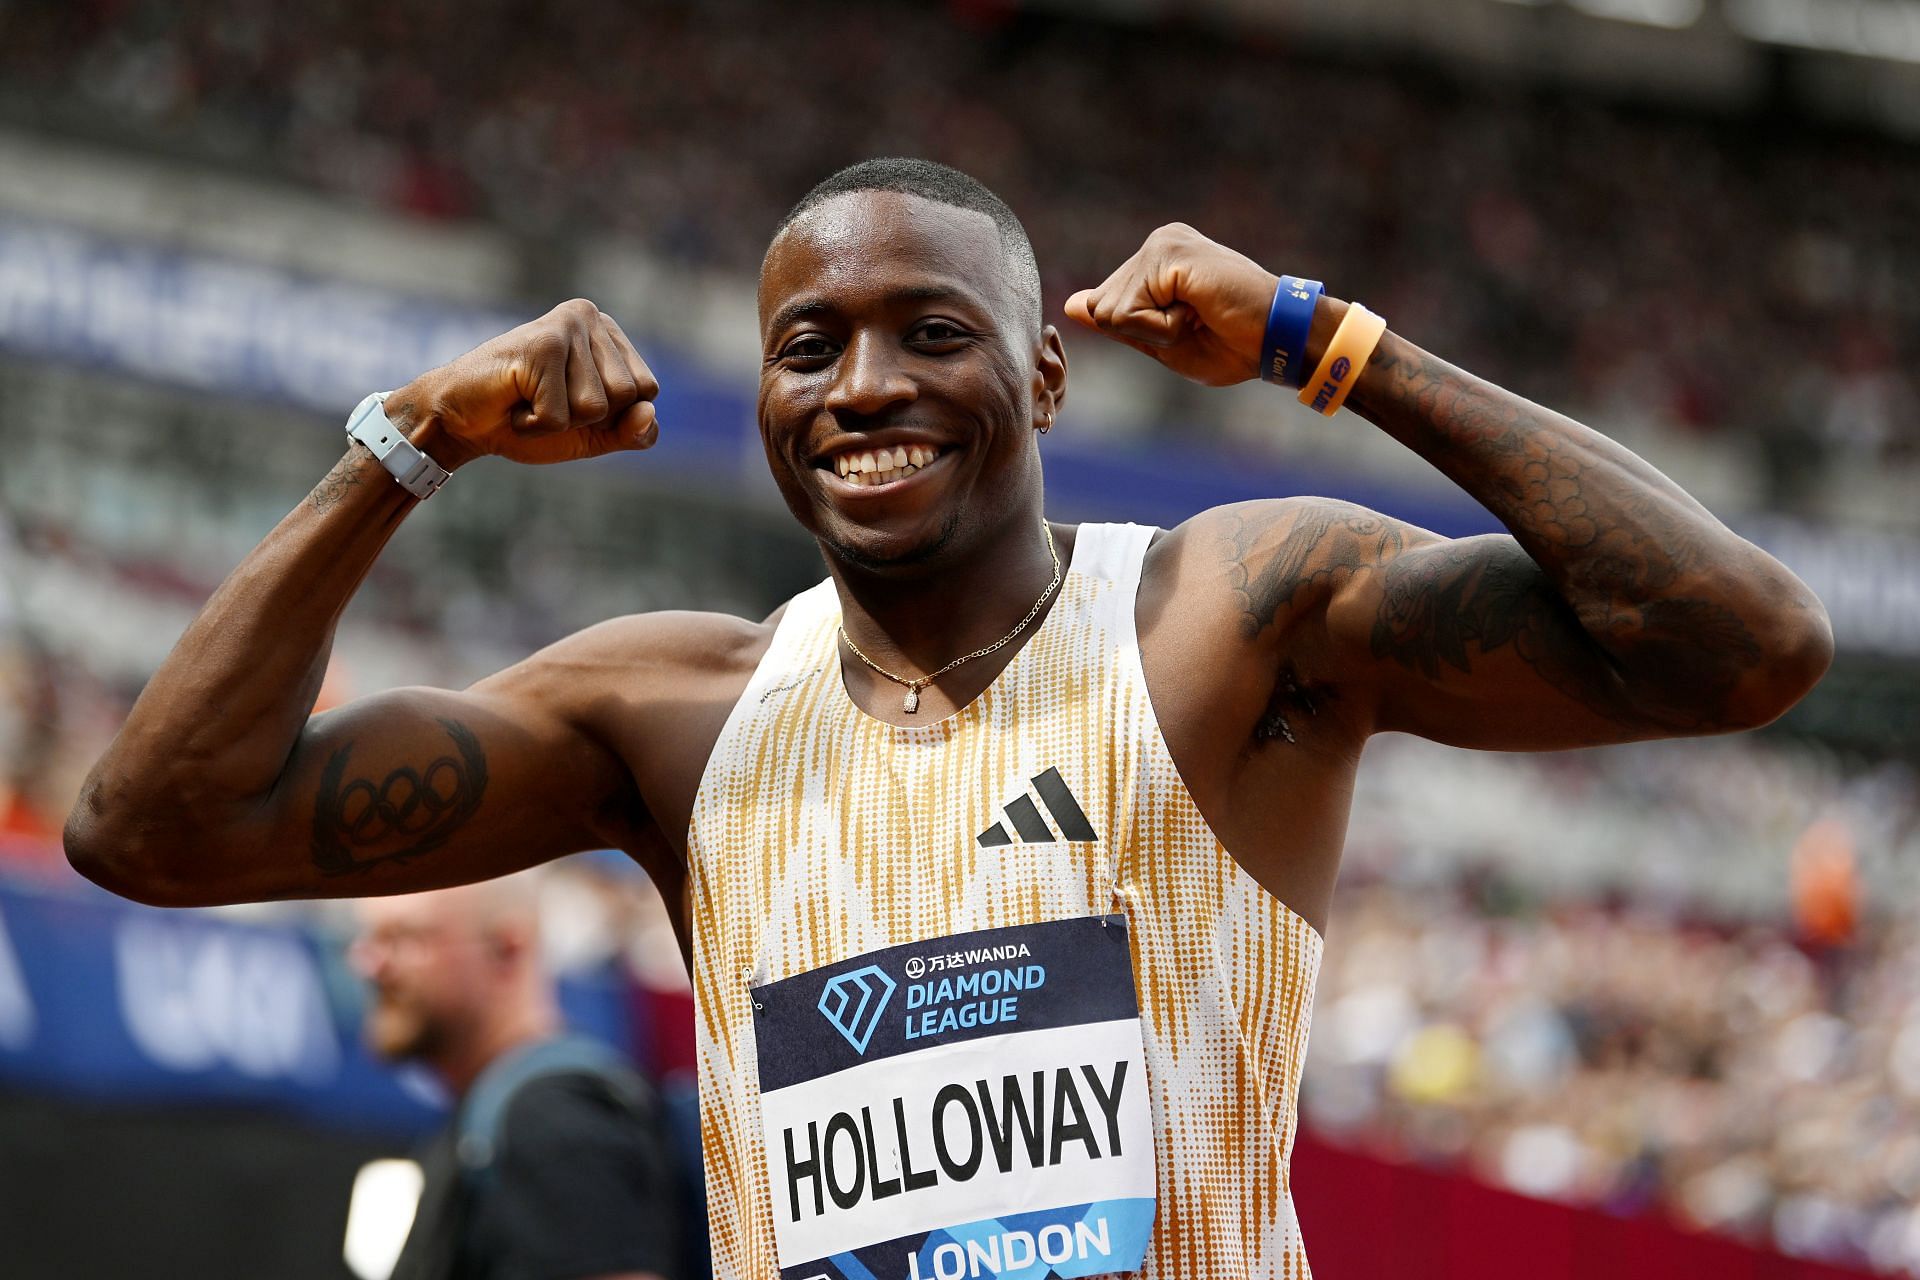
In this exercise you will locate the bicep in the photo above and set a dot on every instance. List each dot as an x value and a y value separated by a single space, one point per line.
422 788
1467 642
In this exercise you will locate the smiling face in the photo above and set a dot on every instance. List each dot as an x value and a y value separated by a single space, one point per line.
902 380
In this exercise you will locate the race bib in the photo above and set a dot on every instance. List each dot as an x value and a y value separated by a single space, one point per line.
965 1107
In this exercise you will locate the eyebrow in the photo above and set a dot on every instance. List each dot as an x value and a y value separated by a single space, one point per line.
807 307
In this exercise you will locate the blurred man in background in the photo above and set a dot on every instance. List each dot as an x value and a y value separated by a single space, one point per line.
553 1166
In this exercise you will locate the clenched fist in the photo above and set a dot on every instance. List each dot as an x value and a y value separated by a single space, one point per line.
568 385
1197 307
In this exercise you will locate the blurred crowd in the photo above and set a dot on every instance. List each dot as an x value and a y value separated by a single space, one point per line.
1749 1080
1534 236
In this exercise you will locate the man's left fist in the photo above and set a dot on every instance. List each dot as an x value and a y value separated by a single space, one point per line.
1197 307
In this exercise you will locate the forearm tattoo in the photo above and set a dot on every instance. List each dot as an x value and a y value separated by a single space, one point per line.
334 486
1616 560
361 822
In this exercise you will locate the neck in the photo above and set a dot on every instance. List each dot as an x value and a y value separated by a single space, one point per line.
916 625
460 1064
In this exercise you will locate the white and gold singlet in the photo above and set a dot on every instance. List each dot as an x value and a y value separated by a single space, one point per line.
820 833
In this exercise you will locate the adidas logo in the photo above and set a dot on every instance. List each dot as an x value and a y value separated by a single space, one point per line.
1029 827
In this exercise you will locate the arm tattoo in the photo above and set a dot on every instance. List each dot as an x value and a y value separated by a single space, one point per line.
1607 594
362 823
332 489
1635 532
1486 594
1317 548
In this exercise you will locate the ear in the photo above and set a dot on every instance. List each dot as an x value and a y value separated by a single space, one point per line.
1049 376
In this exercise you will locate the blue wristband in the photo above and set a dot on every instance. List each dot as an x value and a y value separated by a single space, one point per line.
1283 355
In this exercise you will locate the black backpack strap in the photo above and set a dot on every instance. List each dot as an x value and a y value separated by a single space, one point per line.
482 1119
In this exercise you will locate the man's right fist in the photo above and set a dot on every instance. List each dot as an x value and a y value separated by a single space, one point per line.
568 385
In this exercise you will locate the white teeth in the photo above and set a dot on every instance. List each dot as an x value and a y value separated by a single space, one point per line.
883 466
886 475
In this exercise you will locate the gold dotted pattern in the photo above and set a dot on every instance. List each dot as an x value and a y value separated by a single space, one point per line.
820 833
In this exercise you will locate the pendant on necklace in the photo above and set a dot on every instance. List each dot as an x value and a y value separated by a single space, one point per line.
913 699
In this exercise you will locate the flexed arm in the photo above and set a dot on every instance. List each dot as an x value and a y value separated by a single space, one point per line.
220 788
1619 607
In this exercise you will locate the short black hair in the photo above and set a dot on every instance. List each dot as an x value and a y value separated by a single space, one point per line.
941 184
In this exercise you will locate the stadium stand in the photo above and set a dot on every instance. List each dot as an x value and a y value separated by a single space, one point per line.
1532 233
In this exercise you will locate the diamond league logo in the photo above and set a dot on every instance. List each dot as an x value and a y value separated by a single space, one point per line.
853 1003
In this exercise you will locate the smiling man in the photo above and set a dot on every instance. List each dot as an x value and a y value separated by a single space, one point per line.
1004 850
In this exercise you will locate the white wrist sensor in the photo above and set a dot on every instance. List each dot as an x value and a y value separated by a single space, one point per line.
418 474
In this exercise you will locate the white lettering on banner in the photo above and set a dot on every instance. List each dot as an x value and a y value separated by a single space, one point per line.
17 1018
975 955
1868 581
1015 1251
224 326
195 998
925 1140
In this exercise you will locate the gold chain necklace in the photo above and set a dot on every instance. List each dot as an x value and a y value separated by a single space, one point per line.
914 687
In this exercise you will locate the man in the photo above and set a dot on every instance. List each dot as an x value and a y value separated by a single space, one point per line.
553 1166
983 741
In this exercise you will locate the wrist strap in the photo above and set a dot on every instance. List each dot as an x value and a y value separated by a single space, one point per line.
418 474
1283 352
1348 353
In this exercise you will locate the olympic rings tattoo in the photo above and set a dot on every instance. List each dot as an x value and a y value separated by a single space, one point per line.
420 807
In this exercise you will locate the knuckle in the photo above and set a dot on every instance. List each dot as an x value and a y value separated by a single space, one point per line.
1175 236
546 346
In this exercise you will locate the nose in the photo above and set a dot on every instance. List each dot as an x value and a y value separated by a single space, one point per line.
869 377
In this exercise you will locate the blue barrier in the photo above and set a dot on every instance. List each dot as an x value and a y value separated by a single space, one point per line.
109 1000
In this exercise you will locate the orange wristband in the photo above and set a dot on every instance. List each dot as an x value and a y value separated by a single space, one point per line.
1348 353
